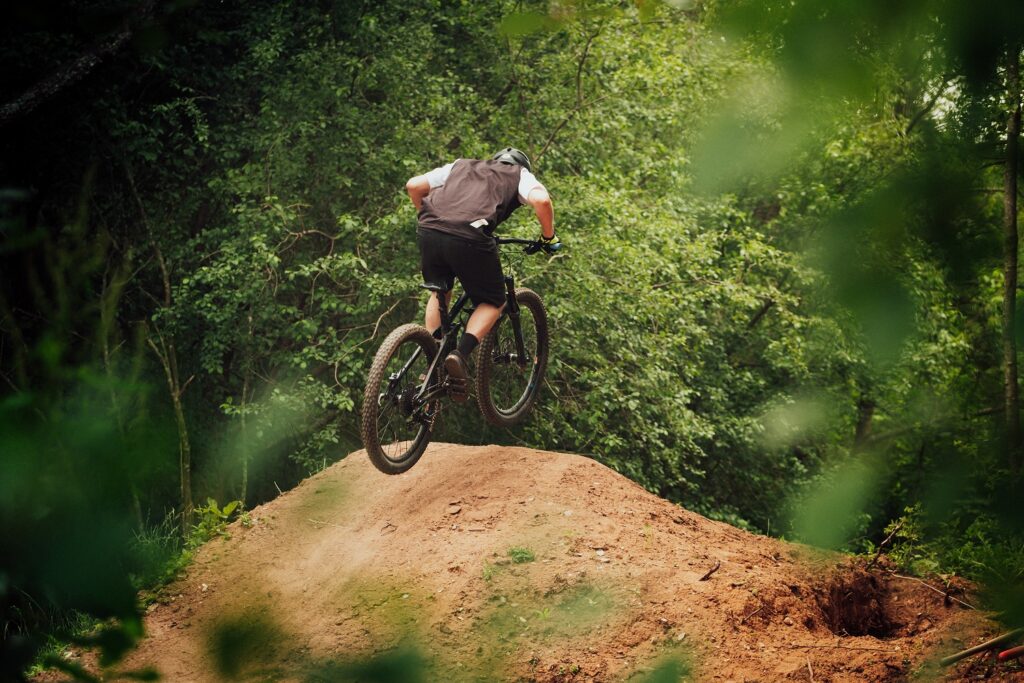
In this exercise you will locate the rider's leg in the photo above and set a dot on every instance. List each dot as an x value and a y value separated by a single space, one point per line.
479 269
479 324
433 317
483 319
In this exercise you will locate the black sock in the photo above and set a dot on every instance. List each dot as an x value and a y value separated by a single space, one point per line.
437 334
467 344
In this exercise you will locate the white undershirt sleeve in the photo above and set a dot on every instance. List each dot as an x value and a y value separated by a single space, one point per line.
527 184
439 175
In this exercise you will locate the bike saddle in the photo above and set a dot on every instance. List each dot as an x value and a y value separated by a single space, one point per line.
435 287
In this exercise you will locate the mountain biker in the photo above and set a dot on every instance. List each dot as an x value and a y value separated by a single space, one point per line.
460 205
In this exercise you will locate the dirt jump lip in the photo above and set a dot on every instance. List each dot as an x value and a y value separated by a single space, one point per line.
516 564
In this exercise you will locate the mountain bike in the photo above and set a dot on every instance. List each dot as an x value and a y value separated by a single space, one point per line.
408 385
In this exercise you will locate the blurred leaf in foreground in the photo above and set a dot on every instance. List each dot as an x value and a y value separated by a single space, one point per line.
834 510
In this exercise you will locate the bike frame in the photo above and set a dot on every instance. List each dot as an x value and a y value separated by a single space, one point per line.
450 327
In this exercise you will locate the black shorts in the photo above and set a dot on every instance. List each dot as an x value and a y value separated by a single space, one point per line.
444 257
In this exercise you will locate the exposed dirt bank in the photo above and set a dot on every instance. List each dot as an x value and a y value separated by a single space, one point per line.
354 563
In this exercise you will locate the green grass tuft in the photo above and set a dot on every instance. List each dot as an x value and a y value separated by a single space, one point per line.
521 555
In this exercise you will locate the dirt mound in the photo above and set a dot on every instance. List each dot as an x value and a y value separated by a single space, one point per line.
503 563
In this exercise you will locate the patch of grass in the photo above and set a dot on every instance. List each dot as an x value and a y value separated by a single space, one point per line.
489 571
159 554
577 611
521 555
669 670
63 627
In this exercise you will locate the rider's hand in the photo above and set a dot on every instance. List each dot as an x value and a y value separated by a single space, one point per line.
550 244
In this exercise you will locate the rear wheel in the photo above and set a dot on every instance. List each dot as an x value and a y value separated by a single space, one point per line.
507 385
395 427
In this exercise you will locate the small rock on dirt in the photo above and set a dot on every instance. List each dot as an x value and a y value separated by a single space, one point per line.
788 621
454 509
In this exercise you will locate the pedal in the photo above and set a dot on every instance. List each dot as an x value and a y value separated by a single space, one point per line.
458 389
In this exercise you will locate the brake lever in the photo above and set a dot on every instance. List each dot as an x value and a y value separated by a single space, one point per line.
540 246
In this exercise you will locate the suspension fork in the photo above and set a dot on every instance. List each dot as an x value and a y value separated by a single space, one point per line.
512 310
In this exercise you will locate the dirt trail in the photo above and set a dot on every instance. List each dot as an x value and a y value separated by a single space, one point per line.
353 563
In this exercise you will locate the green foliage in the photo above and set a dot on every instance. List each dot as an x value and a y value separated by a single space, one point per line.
520 555
834 512
213 521
780 296
159 554
669 671
65 501
239 644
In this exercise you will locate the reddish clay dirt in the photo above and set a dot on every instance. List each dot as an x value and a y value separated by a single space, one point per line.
354 563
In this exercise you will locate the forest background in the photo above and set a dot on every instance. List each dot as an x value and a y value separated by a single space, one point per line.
788 300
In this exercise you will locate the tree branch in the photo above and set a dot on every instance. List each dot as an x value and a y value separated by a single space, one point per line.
74 71
568 117
579 67
928 106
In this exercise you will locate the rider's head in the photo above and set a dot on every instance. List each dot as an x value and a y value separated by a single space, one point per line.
511 155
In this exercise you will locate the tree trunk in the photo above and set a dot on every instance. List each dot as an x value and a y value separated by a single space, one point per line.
168 359
109 297
246 384
184 453
77 69
865 412
1011 399
245 440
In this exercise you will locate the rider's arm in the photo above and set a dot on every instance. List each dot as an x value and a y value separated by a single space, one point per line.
418 187
541 203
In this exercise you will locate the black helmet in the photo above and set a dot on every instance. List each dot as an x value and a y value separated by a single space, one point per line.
511 155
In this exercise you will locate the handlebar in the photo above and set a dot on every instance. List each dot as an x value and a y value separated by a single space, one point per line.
532 246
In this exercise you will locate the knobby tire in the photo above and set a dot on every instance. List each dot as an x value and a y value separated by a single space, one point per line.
498 410
378 415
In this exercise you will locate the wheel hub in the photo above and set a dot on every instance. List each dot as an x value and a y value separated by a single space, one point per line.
406 401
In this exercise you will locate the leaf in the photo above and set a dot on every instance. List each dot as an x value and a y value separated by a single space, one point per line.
526 23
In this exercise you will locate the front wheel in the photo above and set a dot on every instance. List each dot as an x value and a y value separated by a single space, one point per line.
396 427
507 384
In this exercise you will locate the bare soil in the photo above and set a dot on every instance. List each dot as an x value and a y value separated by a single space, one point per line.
355 564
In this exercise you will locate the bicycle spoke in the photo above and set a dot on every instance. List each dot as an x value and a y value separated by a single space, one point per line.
510 381
392 427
